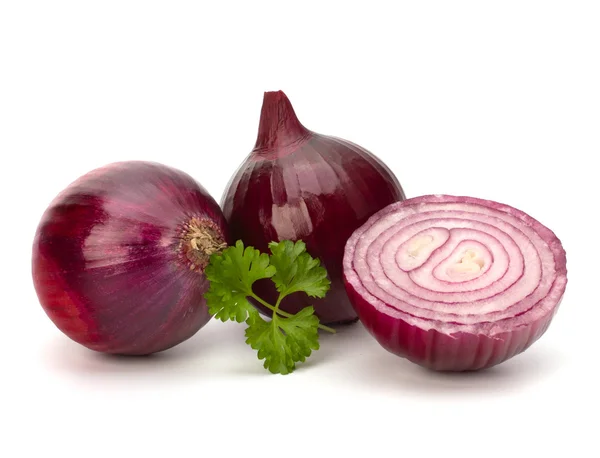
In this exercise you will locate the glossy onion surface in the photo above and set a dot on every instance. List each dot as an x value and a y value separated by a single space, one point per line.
113 262
297 184
455 283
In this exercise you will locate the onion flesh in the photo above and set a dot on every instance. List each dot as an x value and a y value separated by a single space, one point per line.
300 185
118 257
455 283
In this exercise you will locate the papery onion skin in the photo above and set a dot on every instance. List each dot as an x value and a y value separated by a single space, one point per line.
112 265
297 184
439 343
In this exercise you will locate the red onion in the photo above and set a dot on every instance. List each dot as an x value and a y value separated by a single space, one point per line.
297 184
455 283
118 258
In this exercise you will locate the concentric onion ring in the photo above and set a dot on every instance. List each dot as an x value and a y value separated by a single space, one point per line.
454 283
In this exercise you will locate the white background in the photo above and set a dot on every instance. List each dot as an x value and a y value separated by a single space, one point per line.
499 100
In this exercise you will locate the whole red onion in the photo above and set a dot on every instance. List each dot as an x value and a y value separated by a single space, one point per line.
455 283
119 256
297 184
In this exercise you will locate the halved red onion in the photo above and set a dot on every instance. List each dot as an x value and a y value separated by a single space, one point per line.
454 283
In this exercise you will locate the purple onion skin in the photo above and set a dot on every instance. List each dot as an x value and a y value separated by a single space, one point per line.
109 265
297 184
441 352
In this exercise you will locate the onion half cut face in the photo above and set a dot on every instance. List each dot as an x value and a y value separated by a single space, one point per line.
454 283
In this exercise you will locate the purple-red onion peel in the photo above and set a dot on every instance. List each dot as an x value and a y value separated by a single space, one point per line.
297 184
119 257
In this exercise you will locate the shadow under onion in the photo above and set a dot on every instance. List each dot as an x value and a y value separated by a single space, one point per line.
379 369
203 356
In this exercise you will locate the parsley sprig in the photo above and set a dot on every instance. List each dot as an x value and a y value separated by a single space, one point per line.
286 339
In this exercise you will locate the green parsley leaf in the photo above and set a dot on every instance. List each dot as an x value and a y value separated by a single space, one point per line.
231 274
297 270
282 342
286 339
266 337
302 333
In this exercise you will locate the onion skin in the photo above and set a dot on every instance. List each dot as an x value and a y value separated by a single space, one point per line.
441 344
297 184
111 265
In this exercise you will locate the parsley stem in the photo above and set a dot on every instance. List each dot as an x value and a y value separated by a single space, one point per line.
276 309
